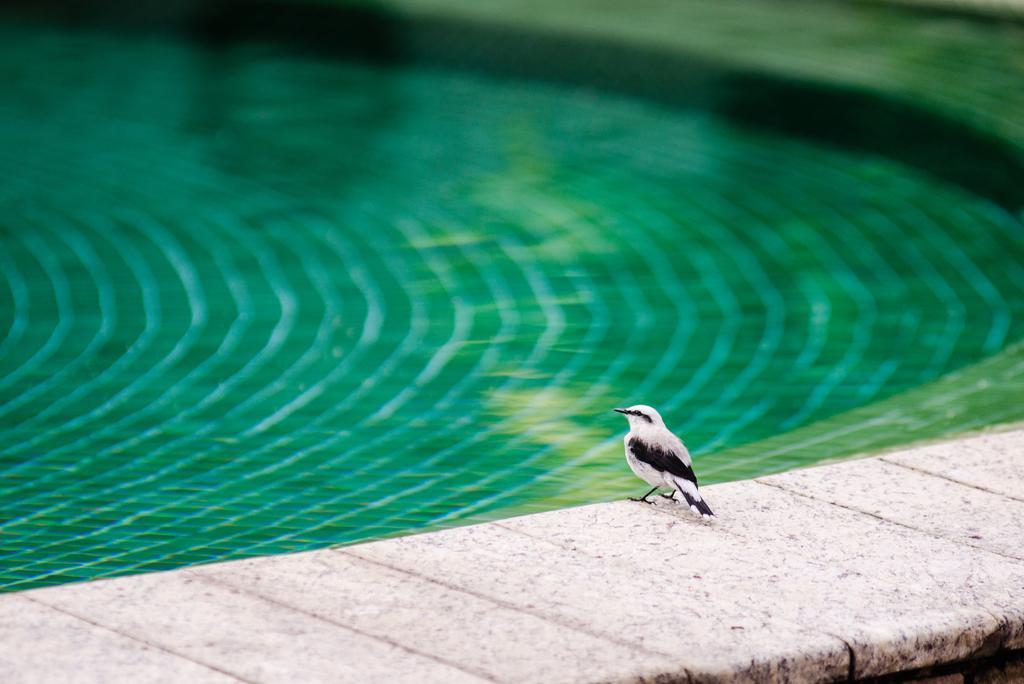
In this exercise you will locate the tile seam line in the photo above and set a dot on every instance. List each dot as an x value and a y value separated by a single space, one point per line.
951 479
933 535
1002 622
844 642
851 667
245 590
144 642
510 606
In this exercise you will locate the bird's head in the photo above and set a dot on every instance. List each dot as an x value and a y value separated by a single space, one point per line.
641 416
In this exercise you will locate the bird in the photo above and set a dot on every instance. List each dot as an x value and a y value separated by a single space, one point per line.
658 457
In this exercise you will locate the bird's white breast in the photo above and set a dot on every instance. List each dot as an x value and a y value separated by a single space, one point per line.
645 472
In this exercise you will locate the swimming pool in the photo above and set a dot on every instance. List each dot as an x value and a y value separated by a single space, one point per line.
259 297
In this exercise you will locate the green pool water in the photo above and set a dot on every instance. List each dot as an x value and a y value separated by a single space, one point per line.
256 299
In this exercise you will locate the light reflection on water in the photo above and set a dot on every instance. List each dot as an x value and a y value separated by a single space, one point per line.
258 302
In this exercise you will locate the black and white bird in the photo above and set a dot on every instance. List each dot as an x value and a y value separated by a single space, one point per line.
658 457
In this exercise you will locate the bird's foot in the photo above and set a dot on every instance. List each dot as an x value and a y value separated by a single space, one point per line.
643 499
671 497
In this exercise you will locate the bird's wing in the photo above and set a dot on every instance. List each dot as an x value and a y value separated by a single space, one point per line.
678 472
663 460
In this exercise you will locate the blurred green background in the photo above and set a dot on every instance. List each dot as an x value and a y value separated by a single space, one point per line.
276 277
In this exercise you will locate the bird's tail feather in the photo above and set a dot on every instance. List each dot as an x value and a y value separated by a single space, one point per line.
701 507
696 503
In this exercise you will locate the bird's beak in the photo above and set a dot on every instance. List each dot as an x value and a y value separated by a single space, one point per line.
619 410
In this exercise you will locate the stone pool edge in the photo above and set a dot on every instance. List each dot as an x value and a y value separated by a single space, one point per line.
908 562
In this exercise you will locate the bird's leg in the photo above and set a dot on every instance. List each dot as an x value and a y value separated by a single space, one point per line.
644 497
670 496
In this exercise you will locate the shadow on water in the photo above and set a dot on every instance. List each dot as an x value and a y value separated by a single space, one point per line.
238 105
820 112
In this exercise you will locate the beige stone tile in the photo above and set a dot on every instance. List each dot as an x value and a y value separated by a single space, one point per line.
41 644
249 637
937 506
994 462
478 635
807 562
717 635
